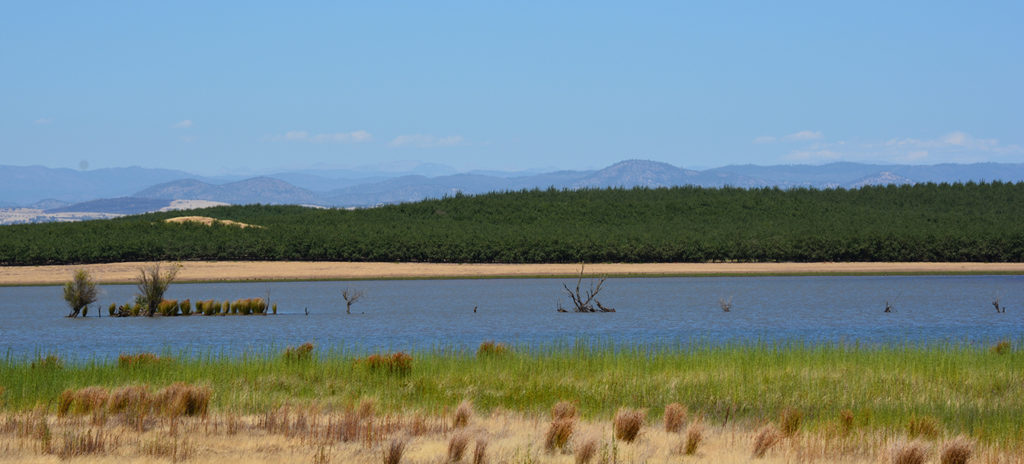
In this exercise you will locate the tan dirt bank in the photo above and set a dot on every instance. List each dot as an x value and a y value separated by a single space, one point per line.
212 271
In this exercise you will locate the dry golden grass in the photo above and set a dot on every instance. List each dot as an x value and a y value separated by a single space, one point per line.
766 438
909 453
694 437
563 410
37 437
463 413
208 221
558 434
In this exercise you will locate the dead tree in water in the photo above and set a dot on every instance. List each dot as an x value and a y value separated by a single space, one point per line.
583 301
351 296
725 304
999 309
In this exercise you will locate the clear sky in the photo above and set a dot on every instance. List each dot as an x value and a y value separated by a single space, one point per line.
210 87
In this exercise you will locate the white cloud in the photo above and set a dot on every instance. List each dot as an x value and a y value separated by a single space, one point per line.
805 135
334 137
814 155
427 141
185 124
953 147
42 121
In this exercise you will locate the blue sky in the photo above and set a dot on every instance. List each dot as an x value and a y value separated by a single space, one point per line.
257 87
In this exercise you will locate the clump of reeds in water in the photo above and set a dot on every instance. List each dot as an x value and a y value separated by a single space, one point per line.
244 307
490 348
397 363
627 423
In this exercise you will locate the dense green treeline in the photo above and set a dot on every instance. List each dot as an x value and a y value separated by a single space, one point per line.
924 222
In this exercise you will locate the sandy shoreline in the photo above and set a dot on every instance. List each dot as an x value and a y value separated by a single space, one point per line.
213 271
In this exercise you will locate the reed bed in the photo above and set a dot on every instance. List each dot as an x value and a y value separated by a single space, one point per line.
927 391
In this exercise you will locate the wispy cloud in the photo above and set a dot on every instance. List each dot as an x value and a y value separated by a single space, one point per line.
427 141
953 147
42 121
803 135
185 124
333 137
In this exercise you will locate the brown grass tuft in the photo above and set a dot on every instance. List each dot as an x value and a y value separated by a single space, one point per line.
303 352
675 417
1002 347
586 451
48 362
393 453
463 414
846 421
766 438
627 423
927 427
140 359
563 410
694 437
480 451
956 451
489 348
457 446
908 453
790 420
82 443
182 399
558 434
397 363
366 408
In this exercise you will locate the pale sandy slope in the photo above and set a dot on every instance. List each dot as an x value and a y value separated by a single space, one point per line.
290 270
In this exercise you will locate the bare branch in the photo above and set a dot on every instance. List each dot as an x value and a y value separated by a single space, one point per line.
351 296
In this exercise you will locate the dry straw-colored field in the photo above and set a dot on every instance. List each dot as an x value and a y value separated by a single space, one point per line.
359 434
212 271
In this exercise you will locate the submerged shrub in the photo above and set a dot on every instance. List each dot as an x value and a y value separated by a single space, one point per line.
627 423
675 417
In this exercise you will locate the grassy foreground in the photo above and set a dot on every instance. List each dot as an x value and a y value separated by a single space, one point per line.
949 390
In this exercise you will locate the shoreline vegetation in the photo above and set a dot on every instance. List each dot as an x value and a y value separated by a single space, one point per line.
269 271
823 403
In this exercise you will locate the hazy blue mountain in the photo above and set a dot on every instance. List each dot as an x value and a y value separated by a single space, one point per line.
124 205
24 185
255 190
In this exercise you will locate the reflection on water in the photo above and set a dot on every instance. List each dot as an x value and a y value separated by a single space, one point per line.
419 314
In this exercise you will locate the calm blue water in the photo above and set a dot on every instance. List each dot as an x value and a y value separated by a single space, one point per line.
419 314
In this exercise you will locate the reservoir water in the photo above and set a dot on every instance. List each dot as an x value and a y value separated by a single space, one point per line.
421 314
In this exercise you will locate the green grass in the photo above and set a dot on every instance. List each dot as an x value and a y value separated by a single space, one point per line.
965 389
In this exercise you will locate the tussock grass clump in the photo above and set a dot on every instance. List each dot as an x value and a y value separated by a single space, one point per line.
394 451
139 359
564 410
586 451
627 423
558 433
1002 347
480 451
50 361
908 453
182 399
397 363
457 446
766 438
490 348
88 400
956 451
790 420
675 417
463 413
694 437
927 427
303 352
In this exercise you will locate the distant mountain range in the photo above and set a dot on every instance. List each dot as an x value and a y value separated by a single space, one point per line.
134 190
